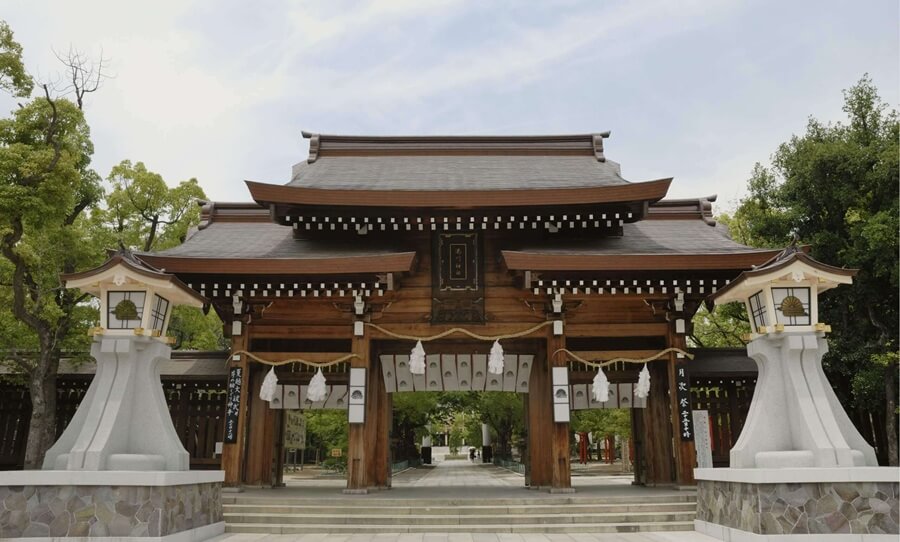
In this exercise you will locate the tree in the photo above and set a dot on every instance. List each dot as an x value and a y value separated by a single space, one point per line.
836 188
505 415
412 412
144 213
46 185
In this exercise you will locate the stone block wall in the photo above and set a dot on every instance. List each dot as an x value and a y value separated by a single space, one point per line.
800 508
79 511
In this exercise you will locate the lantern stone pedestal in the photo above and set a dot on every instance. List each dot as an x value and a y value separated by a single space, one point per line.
118 470
799 466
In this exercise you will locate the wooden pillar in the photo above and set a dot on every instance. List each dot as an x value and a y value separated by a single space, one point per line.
233 454
685 456
368 454
262 433
657 428
539 420
548 441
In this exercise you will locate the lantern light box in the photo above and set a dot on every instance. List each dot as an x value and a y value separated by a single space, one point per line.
135 299
782 295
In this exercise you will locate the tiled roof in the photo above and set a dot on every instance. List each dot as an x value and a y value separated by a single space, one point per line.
651 237
266 241
462 172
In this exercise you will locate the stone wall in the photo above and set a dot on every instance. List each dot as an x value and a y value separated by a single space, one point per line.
70 511
800 508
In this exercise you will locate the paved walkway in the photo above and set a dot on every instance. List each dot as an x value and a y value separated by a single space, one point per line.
457 479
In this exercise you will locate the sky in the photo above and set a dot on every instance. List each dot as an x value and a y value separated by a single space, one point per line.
698 91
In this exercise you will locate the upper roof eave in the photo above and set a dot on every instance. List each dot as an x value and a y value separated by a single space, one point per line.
650 191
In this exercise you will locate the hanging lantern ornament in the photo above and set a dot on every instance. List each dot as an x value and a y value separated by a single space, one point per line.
601 387
495 360
417 359
267 389
317 391
643 385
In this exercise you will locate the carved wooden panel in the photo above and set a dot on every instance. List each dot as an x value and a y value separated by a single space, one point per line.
457 278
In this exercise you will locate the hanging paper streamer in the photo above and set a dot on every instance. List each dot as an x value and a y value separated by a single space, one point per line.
267 390
495 360
642 389
601 387
417 359
317 390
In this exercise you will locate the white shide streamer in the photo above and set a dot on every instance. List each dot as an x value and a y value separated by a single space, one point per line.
317 390
417 359
495 360
267 389
601 387
642 389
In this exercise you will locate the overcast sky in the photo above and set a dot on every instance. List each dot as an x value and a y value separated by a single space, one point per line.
698 91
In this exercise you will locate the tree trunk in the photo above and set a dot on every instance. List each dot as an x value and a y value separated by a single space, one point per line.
42 427
890 411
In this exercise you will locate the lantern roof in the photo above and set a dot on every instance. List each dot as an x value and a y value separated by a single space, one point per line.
791 264
122 269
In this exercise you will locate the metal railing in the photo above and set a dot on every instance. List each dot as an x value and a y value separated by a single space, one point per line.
514 466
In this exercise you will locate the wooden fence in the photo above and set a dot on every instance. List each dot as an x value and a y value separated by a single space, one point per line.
728 400
197 408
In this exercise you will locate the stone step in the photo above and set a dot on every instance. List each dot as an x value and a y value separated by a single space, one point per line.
369 500
260 528
511 519
273 509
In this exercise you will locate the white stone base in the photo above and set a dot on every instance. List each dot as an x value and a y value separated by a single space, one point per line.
800 475
109 478
729 534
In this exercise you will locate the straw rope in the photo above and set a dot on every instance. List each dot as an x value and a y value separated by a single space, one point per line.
601 364
317 364
464 331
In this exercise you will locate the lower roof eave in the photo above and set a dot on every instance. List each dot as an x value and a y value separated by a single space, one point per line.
387 263
542 261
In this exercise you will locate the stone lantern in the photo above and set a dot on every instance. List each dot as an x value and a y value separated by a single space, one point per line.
123 422
795 419
799 467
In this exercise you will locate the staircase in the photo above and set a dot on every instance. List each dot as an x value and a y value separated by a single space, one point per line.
552 514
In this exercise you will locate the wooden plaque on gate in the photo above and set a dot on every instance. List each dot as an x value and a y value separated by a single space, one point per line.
457 278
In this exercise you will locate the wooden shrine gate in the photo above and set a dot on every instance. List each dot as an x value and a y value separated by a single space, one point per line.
378 242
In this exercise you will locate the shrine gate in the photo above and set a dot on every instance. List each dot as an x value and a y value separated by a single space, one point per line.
379 242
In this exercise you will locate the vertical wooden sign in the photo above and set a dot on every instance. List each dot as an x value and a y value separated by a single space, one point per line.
233 404
683 394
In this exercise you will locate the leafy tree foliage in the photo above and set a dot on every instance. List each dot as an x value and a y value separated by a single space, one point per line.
326 429
144 213
836 188
14 78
